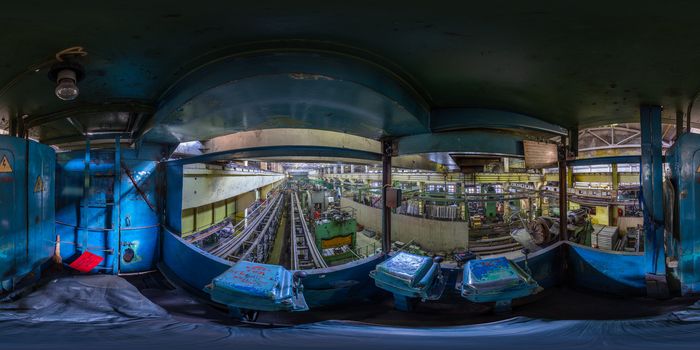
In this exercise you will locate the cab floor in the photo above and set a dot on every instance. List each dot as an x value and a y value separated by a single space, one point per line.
560 303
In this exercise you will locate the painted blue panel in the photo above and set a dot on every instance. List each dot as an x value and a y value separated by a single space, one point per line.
331 286
651 169
612 272
139 225
137 233
341 284
684 159
545 266
283 89
190 265
41 203
13 230
27 215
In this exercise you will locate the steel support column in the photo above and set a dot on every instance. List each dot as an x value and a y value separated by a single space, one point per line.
386 182
573 141
652 182
615 181
563 198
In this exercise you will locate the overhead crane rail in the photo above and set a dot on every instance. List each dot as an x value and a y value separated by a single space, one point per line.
304 253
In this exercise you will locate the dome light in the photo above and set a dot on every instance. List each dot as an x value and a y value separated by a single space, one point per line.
66 74
66 85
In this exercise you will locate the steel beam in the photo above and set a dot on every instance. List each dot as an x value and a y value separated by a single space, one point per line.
652 182
90 108
279 151
605 160
448 119
469 141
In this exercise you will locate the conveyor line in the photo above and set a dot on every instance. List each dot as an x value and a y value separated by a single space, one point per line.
305 254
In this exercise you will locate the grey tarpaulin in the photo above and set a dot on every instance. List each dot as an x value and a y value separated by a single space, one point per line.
106 312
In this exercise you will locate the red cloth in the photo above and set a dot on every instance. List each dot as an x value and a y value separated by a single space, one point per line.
86 262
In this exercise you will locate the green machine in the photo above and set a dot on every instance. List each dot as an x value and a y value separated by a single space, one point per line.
491 206
335 236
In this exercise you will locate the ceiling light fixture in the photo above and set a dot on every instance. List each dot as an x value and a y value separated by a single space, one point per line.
67 72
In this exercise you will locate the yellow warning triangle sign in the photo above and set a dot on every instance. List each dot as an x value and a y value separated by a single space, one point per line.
39 185
5 166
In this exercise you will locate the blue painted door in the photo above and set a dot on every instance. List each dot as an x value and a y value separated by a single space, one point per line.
12 204
26 209
41 203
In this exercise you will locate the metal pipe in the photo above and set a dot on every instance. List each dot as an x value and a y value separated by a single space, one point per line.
386 182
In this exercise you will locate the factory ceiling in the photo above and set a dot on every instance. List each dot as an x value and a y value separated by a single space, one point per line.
180 70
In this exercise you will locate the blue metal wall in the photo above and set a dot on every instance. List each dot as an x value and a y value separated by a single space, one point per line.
684 159
194 269
606 271
109 218
26 209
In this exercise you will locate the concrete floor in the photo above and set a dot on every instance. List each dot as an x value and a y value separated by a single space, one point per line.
556 304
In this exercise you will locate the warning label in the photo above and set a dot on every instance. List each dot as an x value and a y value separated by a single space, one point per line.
5 166
38 185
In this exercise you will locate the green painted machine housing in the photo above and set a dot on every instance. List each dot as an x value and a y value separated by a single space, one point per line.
327 230
490 207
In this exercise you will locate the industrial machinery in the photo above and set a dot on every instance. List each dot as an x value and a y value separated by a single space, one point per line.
544 230
335 235
410 277
490 207
247 288
27 238
496 280
304 252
